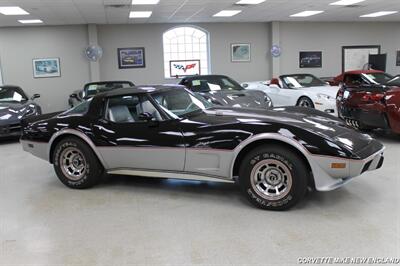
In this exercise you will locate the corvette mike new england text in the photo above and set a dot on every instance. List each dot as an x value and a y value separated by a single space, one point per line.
349 260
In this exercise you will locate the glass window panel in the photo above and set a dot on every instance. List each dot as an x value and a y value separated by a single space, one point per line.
189 48
185 43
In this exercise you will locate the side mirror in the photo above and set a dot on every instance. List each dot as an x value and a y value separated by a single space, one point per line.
146 117
35 96
245 85
74 95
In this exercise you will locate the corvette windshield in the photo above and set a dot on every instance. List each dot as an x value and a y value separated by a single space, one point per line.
378 78
214 83
95 88
394 82
302 81
12 94
179 102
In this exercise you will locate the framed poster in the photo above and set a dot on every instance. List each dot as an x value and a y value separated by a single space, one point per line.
182 68
46 67
131 58
312 59
398 58
357 57
240 52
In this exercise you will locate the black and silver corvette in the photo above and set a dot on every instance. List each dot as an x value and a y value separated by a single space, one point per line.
93 88
224 91
168 131
14 106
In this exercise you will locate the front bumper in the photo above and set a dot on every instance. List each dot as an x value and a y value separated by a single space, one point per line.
326 178
11 130
326 106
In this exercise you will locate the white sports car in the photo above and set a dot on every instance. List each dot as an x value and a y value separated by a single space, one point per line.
298 89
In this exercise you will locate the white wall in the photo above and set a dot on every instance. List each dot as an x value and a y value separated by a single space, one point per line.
329 38
149 36
18 46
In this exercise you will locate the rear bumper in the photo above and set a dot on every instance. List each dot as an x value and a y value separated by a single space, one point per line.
39 149
366 118
327 179
12 130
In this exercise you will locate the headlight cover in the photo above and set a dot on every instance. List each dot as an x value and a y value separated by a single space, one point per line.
324 96
31 110
268 101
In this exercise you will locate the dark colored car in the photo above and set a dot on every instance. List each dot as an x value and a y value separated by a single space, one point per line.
14 106
165 131
224 91
92 88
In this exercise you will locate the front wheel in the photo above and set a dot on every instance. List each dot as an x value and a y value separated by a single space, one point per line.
273 177
76 165
305 102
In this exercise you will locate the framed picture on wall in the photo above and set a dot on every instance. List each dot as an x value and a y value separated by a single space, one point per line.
312 59
398 58
240 52
46 67
357 57
182 68
131 58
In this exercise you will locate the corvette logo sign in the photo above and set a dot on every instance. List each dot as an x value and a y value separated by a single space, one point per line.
184 68
181 68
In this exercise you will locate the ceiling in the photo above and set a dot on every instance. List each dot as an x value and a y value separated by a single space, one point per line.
62 12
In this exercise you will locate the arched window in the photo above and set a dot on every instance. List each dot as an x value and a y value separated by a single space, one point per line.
185 46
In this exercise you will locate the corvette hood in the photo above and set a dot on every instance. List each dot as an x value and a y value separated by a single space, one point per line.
11 113
306 120
328 90
243 98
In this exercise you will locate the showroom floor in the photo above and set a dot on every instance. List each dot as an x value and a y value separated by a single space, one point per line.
131 220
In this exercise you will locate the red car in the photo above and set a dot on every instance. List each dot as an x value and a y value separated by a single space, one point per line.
369 99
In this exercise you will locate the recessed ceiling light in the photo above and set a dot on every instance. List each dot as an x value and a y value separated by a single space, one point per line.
379 14
346 2
145 2
227 13
30 21
250 2
140 14
12 10
307 13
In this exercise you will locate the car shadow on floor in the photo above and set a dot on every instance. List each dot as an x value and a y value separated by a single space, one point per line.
215 191
8 140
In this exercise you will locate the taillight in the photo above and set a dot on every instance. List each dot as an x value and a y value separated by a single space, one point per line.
376 97
339 94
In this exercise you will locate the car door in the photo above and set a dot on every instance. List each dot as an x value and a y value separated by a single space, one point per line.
135 134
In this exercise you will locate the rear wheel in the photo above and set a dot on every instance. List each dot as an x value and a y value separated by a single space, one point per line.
76 165
273 177
305 102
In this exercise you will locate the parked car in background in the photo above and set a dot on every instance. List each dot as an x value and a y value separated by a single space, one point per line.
304 90
356 77
168 131
224 91
92 88
366 103
15 105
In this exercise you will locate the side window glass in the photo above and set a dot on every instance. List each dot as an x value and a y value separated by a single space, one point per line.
149 108
123 109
